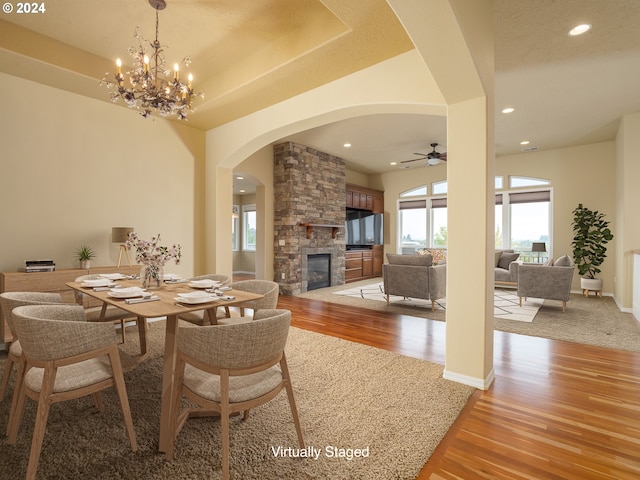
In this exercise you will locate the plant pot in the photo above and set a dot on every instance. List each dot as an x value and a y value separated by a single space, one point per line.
591 285
85 264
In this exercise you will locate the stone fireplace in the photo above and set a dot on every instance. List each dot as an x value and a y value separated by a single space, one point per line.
309 188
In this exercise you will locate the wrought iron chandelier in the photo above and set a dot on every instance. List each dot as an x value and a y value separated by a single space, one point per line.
153 86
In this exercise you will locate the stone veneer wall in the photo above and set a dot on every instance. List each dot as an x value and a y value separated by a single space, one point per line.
309 187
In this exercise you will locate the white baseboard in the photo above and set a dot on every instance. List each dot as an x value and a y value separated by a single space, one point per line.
482 384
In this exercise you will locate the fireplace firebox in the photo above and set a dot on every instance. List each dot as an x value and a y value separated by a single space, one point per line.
318 271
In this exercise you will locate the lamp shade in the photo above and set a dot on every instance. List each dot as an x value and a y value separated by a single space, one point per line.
538 247
120 234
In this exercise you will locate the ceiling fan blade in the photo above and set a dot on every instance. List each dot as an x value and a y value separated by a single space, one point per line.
443 156
414 160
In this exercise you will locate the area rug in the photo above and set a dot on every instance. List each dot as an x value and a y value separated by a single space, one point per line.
506 303
591 321
367 413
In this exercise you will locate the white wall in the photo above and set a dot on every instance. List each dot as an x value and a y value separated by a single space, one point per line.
73 167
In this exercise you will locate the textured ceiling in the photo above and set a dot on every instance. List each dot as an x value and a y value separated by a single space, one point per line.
247 55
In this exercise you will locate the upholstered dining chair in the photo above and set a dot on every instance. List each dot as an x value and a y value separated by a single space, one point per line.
201 317
270 290
9 301
66 358
231 368
113 314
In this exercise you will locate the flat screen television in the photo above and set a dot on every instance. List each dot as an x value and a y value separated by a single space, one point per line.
363 228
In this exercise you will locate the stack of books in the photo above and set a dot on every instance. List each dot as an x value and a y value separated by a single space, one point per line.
40 266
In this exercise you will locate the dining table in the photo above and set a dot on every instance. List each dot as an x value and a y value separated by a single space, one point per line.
165 302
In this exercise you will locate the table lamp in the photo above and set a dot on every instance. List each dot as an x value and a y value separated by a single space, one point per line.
538 247
121 235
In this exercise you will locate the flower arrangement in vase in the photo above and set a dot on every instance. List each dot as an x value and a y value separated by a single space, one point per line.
153 258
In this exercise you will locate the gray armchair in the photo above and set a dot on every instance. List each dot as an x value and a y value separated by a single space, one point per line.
414 276
551 282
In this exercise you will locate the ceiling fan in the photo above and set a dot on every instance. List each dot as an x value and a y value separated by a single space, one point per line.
432 158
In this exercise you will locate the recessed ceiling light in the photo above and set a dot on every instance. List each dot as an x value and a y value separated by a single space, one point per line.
393 163
508 110
579 29
239 178
525 142
347 145
242 191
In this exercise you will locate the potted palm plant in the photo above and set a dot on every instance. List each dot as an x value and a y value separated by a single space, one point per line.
85 254
590 235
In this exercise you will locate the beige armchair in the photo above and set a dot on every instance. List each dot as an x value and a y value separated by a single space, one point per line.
550 282
414 276
8 302
66 358
270 290
112 314
231 368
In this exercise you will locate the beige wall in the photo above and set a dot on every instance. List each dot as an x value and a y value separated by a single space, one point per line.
73 167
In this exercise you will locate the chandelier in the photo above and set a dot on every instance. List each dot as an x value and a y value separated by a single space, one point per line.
152 85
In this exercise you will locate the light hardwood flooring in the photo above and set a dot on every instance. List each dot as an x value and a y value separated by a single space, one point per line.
557 410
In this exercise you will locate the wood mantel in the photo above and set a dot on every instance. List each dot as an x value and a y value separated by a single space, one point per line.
311 226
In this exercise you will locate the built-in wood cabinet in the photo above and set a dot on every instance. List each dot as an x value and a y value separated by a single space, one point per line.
366 262
363 263
53 282
364 198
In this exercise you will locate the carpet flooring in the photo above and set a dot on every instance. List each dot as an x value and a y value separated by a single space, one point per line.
395 409
590 321
506 303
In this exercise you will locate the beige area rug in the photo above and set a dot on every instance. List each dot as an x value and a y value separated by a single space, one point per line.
506 304
395 409
591 321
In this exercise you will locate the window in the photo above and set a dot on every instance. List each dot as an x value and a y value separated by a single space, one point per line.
415 192
515 182
521 217
438 222
413 225
439 188
249 227
235 223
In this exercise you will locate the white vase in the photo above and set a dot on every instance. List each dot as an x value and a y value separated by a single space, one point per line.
591 285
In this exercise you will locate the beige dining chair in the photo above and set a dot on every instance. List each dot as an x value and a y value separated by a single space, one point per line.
201 317
270 291
9 301
231 368
113 314
66 358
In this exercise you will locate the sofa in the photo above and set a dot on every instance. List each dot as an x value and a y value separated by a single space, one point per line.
550 281
506 267
414 276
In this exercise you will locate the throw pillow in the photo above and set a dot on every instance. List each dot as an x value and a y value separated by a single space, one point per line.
506 259
549 262
563 261
498 255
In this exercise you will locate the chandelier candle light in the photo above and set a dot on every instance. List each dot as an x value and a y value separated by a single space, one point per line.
152 84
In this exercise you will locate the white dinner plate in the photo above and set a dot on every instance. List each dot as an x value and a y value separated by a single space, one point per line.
113 276
171 277
98 282
199 294
203 283
196 300
130 292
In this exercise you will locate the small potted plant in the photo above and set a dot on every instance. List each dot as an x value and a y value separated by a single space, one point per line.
85 254
590 235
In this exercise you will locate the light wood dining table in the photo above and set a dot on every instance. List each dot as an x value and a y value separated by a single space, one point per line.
167 306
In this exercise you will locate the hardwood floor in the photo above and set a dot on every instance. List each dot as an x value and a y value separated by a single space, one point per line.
557 410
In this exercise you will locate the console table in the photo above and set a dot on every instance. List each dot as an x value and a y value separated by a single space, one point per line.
52 282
